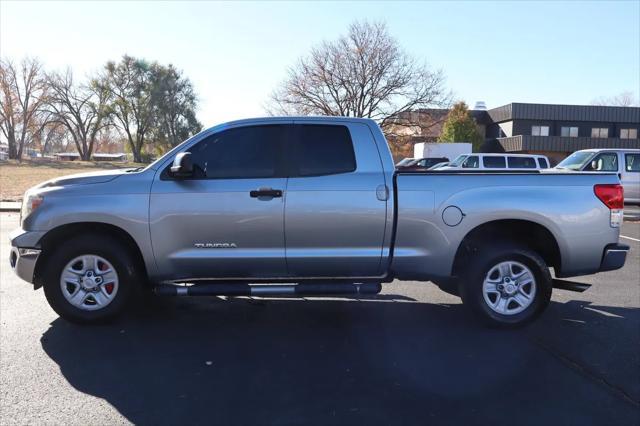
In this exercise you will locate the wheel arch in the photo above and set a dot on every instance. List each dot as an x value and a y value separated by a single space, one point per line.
58 234
530 234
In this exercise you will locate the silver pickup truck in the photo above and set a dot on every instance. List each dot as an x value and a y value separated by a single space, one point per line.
311 206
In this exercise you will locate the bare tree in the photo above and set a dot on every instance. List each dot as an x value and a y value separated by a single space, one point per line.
22 94
623 99
110 141
362 74
80 108
48 135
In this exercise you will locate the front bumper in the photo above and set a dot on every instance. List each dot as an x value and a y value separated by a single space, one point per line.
613 257
24 253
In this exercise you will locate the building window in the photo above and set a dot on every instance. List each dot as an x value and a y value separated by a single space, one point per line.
540 130
628 133
571 132
599 132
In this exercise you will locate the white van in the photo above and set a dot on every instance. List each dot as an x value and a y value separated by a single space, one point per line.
498 162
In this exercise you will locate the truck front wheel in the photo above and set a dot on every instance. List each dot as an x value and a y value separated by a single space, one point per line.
506 285
89 278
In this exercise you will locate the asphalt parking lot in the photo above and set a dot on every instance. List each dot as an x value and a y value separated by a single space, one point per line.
409 356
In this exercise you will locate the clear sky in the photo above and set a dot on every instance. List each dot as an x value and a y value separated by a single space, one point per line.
236 53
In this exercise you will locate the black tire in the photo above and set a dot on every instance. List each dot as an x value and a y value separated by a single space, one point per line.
93 244
479 264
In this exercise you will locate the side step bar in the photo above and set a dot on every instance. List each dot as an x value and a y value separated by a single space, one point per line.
241 289
570 285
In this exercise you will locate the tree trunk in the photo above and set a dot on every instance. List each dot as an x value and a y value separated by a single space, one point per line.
20 149
13 153
134 150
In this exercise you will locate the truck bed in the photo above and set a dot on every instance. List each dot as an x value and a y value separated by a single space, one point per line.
563 203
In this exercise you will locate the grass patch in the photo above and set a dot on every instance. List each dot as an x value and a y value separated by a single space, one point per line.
16 178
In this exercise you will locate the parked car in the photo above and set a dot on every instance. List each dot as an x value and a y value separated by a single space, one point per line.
625 162
210 218
423 163
498 162
405 161
438 166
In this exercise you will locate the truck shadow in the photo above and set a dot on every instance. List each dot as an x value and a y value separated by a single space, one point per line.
241 361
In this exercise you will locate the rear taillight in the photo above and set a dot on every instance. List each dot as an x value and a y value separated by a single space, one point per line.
612 195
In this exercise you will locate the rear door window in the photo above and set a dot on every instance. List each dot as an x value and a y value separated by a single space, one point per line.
632 162
494 162
521 162
322 150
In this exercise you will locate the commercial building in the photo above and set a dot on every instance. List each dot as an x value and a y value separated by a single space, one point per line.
558 130
552 130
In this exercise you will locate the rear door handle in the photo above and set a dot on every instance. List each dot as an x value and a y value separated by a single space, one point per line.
266 192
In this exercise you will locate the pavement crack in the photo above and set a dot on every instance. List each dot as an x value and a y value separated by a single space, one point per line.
586 372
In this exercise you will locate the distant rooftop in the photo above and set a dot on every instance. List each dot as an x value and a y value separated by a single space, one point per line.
517 110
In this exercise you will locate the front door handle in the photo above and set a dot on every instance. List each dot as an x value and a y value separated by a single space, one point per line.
265 192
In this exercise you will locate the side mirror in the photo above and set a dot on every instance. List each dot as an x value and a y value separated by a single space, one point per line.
594 165
182 166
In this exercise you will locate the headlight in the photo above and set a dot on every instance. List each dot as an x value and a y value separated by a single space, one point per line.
30 202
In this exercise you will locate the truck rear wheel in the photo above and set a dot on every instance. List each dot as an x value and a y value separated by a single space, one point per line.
89 278
506 285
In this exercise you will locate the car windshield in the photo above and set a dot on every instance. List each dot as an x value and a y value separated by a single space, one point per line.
458 161
438 166
405 162
576 161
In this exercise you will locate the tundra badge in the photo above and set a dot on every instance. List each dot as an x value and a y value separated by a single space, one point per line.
215 245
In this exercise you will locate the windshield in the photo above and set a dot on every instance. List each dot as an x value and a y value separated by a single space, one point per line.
576 161
458 161
438 166
405 162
